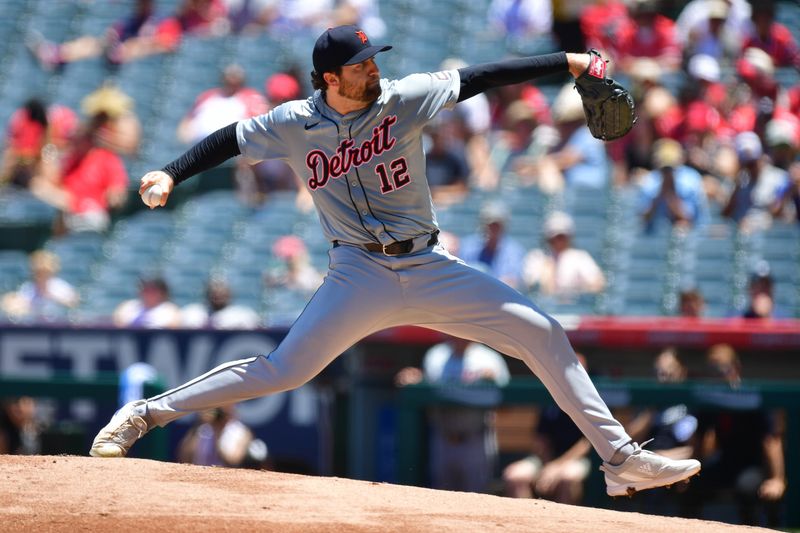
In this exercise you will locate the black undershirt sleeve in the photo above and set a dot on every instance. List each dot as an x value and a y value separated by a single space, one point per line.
208 153
478 78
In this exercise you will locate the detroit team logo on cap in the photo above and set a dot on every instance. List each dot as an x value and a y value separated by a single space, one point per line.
363 36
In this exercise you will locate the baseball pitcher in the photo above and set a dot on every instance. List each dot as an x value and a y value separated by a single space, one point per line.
357 142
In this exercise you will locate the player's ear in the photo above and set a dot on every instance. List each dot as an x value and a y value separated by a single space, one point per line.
331 79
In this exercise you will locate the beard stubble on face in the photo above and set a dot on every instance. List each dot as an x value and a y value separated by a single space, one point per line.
367 94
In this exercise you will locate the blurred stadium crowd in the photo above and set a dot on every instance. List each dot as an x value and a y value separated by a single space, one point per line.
699 201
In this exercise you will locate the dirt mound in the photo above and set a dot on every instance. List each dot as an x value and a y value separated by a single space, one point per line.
65 493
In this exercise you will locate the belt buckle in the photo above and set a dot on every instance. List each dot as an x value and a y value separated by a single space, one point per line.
386 251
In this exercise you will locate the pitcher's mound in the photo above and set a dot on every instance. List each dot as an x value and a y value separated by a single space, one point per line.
63 493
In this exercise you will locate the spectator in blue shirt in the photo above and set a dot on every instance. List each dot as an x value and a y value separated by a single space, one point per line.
491 249
580 158
758 183
672 192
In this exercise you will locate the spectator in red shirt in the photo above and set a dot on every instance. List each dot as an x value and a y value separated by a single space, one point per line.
282 87
766 99
755 107
91 181
772 37
34 131
647 34
602 22
706 134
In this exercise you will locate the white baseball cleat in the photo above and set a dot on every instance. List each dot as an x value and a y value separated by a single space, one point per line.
644 469
125 428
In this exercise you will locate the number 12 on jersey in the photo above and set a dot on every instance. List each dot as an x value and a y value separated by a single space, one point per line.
399 175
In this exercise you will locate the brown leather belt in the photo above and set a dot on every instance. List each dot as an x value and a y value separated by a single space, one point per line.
395 248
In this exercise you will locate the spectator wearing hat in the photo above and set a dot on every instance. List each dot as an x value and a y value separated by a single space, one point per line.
151 309
757 185
696 16
576 159
755 101
706 133
45 297
782 136
119 129
782 139
706 96
218 311
772 37
560 270
512 148
517 148
295 271
711 35
491 250
705 86
673 192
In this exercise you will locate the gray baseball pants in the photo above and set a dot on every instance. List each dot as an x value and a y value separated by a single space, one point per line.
365 292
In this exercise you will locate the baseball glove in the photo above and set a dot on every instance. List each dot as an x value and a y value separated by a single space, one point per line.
608 105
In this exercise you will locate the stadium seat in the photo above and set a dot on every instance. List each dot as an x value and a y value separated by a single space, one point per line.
14 269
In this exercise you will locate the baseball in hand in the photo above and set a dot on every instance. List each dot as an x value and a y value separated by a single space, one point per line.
152 196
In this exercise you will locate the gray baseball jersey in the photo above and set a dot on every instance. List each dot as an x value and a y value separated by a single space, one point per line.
366 173
366 169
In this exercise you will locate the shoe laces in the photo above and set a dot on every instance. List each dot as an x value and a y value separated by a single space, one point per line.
135 422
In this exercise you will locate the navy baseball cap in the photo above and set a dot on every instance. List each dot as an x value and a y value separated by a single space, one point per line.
343 45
